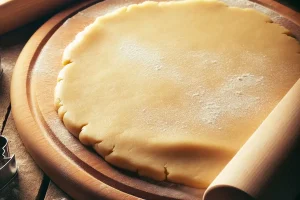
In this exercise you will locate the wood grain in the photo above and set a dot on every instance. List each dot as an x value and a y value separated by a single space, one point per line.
270 157
285 11
74 168
22 186
78 170
54 192
8 57
15 13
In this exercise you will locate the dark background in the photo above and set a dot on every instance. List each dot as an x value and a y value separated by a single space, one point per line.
294 4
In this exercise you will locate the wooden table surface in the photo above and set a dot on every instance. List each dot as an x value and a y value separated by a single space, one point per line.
31 182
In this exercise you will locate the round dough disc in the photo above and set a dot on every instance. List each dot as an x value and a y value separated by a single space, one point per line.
172 90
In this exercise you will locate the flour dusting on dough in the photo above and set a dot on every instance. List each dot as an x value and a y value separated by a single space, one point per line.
231 98
132 50
176 84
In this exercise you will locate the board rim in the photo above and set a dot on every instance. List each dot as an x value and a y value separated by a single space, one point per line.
26 123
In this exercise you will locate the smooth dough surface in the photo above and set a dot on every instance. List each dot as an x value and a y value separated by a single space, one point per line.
172 90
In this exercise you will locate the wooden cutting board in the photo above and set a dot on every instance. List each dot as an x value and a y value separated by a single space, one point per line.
15 13
78 170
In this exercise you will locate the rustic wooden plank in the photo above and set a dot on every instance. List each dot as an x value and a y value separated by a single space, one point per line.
11 45
54 192
9 56
26 11
27 183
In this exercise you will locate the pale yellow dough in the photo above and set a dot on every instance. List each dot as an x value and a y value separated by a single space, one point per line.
172 90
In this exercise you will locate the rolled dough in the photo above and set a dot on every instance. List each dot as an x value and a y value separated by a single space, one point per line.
172 90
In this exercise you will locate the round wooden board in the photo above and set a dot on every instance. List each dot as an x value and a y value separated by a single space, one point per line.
77 169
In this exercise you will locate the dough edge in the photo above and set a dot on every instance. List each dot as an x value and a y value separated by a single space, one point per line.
157 173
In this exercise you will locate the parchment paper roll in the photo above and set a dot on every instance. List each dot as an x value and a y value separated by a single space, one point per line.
267 167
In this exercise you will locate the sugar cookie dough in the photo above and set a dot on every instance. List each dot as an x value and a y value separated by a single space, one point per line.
172 90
